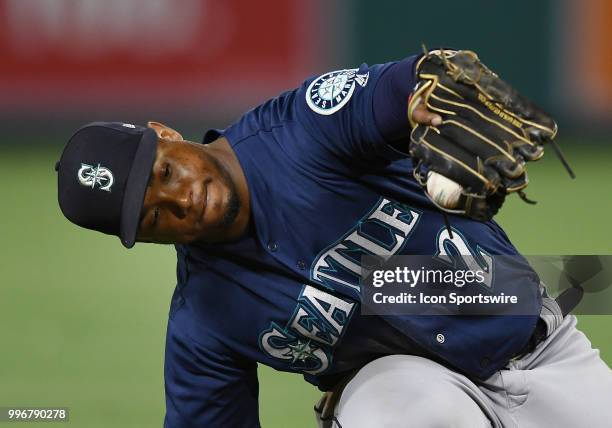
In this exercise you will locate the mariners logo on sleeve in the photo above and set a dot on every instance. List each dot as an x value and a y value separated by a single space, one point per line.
331 91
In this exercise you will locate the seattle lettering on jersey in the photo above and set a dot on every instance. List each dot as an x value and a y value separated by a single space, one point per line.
306 343
383 232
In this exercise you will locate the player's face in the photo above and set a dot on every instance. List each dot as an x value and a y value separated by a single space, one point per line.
190 196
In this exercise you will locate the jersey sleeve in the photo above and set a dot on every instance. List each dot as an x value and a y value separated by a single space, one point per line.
205 388
359 112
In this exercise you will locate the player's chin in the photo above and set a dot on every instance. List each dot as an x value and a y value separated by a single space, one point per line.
231 209
186 238
183 234
222 215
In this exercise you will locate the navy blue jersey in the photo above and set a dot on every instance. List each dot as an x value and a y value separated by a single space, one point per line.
327 186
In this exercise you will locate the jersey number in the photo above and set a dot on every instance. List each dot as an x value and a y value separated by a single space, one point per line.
456 252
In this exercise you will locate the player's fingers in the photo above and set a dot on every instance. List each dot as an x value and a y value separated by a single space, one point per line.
423 116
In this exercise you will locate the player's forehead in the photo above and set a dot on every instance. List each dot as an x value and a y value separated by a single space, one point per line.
172 152
167 149
161 155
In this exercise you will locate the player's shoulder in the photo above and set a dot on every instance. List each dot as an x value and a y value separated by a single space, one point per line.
332 91
327 93
328 117
320 95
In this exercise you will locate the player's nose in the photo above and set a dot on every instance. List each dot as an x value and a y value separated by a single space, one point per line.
178 200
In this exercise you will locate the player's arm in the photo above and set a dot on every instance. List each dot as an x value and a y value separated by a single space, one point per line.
205 388
468 158
390 101
366 112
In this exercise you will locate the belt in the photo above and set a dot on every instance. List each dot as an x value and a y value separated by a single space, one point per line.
540 332
551 316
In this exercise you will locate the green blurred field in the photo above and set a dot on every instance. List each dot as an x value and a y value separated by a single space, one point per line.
82 321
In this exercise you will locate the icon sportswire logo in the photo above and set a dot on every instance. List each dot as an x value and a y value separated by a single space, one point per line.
92 176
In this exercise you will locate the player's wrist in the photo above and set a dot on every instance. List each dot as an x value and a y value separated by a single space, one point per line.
389 99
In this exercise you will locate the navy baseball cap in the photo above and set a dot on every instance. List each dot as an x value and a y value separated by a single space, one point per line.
103 175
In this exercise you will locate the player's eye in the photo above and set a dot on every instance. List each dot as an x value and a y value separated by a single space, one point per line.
166 172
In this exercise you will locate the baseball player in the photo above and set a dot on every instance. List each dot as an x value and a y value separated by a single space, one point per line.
270 218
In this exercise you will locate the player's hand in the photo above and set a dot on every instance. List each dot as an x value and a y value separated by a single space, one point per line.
487 132
423 116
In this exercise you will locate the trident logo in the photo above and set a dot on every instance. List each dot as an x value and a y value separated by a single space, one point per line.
91 176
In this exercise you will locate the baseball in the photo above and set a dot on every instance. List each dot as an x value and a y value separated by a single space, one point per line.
444 191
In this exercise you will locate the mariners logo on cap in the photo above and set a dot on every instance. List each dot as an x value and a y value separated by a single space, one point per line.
331 91
92 176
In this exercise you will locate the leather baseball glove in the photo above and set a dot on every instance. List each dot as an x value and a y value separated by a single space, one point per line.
488 133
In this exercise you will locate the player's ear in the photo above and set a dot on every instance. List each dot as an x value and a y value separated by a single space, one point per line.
165 132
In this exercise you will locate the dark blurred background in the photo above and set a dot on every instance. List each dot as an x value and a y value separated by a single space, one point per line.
82 320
